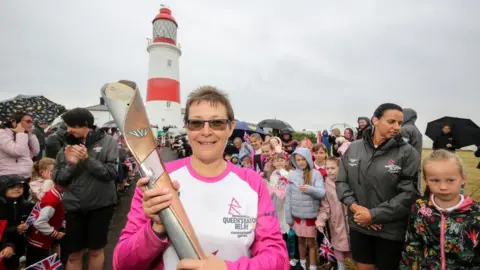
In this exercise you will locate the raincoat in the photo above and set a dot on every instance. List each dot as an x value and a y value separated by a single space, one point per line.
382 180
440 239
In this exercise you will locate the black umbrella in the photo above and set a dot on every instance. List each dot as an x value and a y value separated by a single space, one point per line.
39 107
275 124
465 131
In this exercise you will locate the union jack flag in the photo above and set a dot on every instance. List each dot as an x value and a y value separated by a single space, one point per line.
326 250
50 263
246 137
33 215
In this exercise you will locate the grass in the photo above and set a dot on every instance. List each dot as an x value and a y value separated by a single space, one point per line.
472 187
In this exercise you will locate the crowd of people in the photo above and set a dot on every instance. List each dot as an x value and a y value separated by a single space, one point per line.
360 191
268 205
58 190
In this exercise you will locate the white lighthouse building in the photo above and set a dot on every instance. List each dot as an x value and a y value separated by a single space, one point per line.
163 88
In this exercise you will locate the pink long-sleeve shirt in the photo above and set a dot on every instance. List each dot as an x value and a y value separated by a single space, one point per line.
232 214
16 152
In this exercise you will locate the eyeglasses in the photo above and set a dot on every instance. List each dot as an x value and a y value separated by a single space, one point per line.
215 124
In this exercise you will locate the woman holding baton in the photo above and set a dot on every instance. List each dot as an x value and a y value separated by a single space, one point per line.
229 207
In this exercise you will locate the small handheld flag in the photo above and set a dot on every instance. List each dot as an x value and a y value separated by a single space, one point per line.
326 250
33 215
246 137
49 263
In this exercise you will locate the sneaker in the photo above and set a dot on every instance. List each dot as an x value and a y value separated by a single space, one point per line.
293 262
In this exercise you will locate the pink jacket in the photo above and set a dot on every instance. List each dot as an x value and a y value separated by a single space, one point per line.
16 152
140 248
334 211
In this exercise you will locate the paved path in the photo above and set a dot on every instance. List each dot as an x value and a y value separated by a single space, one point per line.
120 217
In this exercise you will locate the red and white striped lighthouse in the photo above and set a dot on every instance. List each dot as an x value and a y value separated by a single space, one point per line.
163 88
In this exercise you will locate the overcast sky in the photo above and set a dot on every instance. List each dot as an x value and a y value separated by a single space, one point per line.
312 64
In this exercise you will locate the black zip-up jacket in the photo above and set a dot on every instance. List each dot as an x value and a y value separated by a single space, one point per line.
442 140
90 184
382 179
14 211
55 142
40 133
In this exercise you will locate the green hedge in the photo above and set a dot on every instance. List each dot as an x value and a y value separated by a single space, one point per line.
299 135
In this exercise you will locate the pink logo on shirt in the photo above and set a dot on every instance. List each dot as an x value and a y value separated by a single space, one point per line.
234 206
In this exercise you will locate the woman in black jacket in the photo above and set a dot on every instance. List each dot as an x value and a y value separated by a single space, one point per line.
377 182
15 210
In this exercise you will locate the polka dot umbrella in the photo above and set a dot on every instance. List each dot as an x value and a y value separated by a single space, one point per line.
39 107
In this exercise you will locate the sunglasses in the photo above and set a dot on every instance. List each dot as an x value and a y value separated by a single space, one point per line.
215 124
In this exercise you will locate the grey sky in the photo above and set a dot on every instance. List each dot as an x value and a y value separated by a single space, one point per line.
311 64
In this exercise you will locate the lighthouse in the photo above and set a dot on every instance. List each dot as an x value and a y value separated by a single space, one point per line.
163 87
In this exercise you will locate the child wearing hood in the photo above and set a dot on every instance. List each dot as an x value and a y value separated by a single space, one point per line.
443 231
288 142
326 139
363 123
235 160
246 161
15 210
304 192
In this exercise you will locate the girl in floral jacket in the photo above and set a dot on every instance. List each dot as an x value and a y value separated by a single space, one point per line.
444 229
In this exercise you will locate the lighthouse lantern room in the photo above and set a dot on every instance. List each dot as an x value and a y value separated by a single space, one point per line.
163 87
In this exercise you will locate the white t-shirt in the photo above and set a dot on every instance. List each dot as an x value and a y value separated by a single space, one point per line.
449 209
225 220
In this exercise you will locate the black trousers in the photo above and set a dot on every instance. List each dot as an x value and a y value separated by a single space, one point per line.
35 254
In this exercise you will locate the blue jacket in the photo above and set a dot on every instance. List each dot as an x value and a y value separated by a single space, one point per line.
326 139
298 204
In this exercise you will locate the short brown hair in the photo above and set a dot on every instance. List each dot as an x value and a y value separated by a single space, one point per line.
333 159
317 147
213 96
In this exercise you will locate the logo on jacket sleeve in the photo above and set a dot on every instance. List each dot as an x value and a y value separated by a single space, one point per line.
392 167
352 162
97 148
